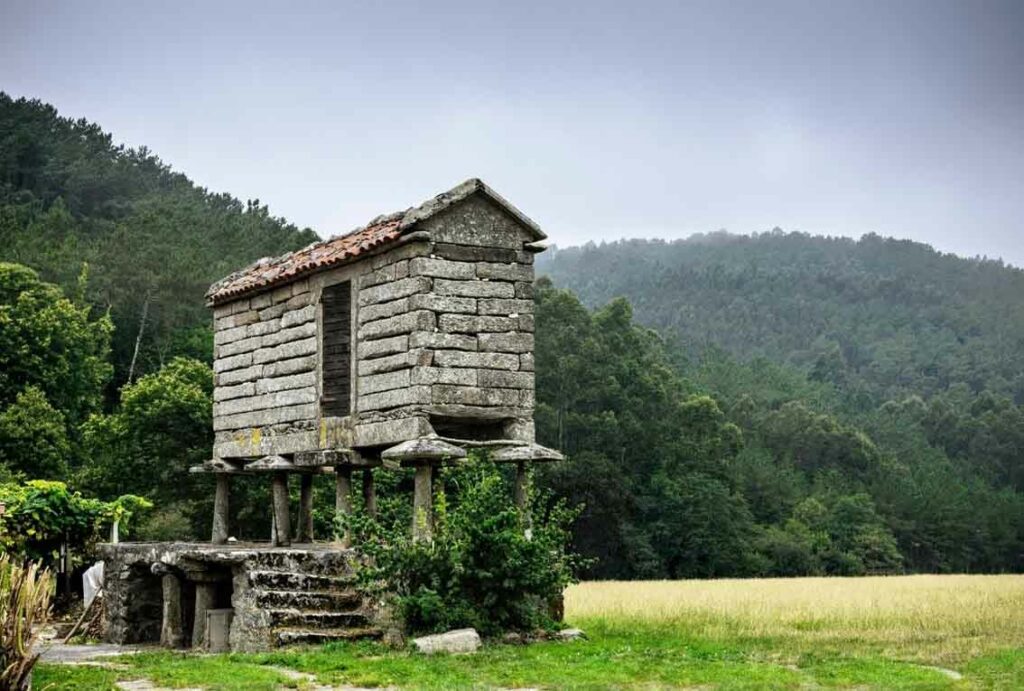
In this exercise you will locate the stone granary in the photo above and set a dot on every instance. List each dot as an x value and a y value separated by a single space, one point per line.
404 343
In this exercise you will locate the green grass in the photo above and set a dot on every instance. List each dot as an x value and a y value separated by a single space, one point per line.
803 633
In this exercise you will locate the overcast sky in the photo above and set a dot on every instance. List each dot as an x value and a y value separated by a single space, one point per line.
600 120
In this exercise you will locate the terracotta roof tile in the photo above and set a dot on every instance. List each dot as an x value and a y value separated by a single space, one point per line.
268 272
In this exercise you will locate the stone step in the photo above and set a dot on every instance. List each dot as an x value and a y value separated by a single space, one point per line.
317 620
301 636
306 561
335 600
287 580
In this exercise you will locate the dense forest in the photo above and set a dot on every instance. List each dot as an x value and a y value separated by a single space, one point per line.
777 405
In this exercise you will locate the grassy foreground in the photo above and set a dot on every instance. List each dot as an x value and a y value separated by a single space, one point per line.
921 632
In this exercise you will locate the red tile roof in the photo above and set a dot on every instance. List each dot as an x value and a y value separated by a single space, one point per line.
268 272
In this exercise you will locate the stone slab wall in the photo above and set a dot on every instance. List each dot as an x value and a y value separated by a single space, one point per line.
443 328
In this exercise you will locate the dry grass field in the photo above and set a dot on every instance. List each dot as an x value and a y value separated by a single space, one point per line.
908 632
934 618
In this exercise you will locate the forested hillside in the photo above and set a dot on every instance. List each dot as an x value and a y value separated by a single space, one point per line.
73 205
875 367
877 317
800 406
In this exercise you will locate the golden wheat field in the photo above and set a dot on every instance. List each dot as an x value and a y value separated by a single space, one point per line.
918 616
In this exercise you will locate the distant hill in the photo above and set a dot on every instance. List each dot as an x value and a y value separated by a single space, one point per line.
877 317
152 240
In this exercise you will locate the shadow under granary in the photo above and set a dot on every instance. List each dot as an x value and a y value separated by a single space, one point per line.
405 343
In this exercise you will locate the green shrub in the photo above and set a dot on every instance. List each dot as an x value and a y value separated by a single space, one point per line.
487 566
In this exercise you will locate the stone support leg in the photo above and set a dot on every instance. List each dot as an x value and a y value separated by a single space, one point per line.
221 503
343 499
171 633
423 503
520 488
369 493
282 519
305 508
205 595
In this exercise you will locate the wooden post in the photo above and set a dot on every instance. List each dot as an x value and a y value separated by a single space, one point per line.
205 595
423 503
221 502
305 508
282 521
369 493
343 499
171 633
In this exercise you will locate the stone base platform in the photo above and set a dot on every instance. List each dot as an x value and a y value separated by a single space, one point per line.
238 596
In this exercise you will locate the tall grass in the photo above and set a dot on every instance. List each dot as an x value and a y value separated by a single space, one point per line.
910 616
25 593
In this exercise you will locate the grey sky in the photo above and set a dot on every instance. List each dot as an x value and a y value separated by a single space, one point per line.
600 120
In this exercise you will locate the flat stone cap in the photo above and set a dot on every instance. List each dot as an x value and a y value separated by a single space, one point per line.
424 449
527 452
271 464
216 465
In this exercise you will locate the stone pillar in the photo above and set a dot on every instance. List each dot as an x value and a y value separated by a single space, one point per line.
343 499
221 511
369 493
305 533
282 520
520 488
423 503
205 595
171 633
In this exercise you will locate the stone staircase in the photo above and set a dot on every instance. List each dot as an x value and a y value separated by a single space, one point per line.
309 597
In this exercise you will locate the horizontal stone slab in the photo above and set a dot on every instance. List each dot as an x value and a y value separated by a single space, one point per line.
395 290
504 272
384 310
458 358
388 273
474 324
369 434
285 351
303 380
505 306
438 341
441 268
421 320
386 400
526 362
474 289
280 368
262 418
294 333
471 395
238 375
474 253
443 303
384 382
383 346
233 362
504 380
298 316
394 362
446 375
277 399
224 393
514 342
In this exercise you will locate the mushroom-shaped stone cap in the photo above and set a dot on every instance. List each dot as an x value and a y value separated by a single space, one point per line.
527 452
216 465
424 449
271 463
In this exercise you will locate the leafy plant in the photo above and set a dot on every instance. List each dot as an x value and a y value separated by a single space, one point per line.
488 566
25 593
41 515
